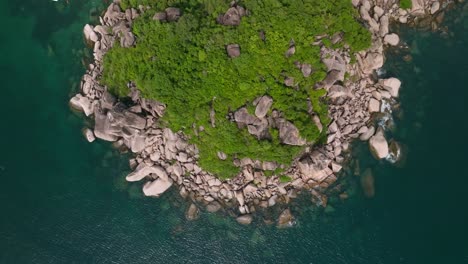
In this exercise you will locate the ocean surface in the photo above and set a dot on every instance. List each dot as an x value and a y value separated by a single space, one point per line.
64 200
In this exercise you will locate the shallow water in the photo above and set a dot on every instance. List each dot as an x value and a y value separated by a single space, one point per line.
66 201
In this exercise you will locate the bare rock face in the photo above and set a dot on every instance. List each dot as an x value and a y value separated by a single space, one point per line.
244 219
263 106
378 145
372 61
192 212
157 187
285 219
367 183
233 50
392 85
392 39
289 134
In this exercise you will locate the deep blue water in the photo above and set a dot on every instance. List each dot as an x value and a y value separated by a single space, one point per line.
65 201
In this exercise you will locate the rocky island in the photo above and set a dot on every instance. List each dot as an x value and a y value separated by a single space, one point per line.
242 105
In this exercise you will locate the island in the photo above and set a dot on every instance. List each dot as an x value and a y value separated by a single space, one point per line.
243 104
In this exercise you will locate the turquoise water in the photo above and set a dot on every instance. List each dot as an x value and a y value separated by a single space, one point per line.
65 201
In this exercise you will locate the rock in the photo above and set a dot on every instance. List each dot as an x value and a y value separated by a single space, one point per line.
315 167
192 212
374 105
244 219
336 167
172 14
435 7
384 22
83 104
285 219
291 50
392 85
337 91
317 122
103 128
378 11
263 106
157 187
127 39
378 145
289 134
392 39
142 171
306 69
368 134
213 207
231 18
395 152
137 143
367 183
233 50
89 135
89 34
161 16
289 82
371 62
240 198
222 155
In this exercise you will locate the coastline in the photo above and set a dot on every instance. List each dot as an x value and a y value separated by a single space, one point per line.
355 101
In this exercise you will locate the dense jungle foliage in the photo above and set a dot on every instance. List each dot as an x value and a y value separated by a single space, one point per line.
184 65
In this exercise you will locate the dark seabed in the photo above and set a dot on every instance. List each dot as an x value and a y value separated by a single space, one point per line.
66 201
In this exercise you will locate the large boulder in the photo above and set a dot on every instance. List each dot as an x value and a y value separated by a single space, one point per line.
378 145
392 85
263 106
103 128
143 170
232 17
392 39
89 34
173 14
157 187
83 104
289 134
372 61
233 50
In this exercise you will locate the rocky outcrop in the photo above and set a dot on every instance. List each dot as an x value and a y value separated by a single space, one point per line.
164 158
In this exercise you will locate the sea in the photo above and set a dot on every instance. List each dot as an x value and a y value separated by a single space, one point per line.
65 200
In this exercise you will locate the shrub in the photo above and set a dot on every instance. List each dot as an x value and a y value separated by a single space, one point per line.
406 4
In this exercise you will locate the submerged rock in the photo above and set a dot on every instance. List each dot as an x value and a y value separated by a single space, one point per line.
244 219
285 219
192 212
367 183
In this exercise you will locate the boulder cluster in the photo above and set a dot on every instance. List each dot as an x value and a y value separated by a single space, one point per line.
164 158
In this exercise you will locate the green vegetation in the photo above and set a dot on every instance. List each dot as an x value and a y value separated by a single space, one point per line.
184 65
284 178
406 4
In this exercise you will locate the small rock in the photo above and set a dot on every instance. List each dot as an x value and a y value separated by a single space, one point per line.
435 7
172 14
374 105
367 183
392 85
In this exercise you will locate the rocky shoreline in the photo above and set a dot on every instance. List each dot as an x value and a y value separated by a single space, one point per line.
359 104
